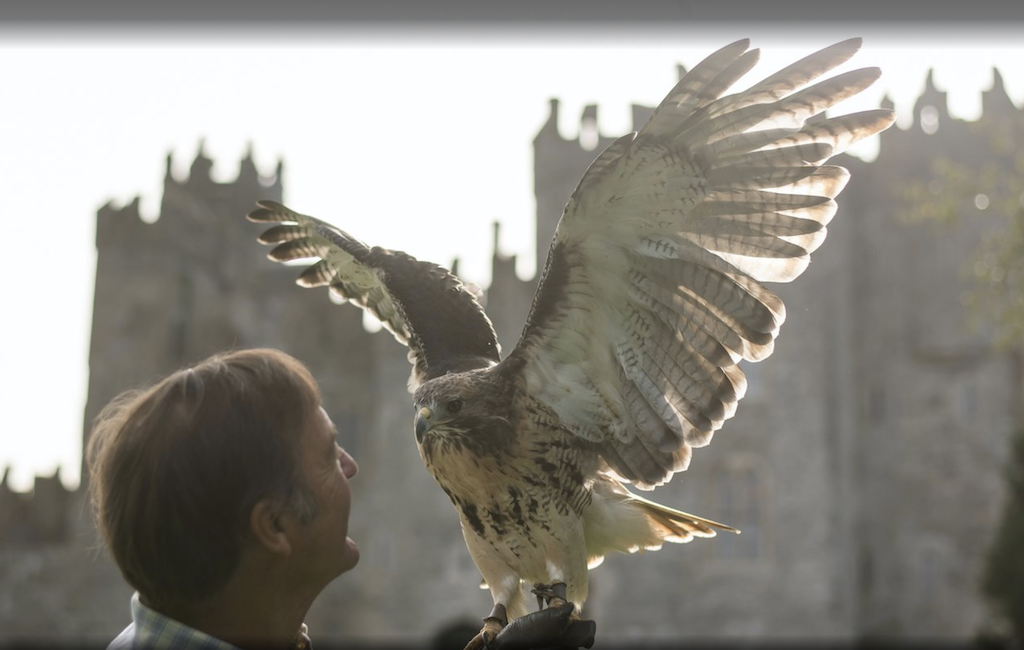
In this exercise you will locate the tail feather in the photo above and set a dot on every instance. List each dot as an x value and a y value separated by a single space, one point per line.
618 520
679 524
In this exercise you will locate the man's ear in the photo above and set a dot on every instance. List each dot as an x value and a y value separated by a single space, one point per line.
268 527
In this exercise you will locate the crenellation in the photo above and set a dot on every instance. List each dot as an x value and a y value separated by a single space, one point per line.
558 164
640 115
40 516
199 174
119 226
931 110
550 127
995 102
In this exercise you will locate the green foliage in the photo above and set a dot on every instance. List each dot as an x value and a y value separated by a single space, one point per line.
995 189
1003 581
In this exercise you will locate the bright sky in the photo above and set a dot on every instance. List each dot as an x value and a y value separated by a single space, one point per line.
411 141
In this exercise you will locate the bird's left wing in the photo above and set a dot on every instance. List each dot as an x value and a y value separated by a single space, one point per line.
424 305
653 286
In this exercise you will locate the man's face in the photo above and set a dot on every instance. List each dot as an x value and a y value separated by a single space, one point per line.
327 468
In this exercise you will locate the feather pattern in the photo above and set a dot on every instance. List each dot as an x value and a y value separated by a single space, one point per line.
423 305
680 225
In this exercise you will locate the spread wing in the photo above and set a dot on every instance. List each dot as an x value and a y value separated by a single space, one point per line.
653 289
422 304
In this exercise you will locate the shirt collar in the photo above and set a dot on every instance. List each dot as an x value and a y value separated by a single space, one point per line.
154 630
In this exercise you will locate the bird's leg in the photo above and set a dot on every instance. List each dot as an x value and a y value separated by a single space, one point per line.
497 619
493 624
553 594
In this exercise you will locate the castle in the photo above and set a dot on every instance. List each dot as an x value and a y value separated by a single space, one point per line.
864 465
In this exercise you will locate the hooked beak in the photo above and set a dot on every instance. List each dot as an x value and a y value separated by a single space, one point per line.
423 422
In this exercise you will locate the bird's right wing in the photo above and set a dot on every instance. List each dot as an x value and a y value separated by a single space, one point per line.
423 305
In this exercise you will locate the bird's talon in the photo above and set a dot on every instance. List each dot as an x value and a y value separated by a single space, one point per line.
479 642
494 623
552 595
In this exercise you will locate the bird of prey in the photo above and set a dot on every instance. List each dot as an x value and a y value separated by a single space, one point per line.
652 292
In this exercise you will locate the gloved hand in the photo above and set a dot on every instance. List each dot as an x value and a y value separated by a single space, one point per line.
551 627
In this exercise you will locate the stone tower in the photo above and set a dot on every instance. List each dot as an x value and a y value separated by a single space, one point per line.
172 292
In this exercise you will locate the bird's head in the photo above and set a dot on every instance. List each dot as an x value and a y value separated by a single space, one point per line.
458 405
441 414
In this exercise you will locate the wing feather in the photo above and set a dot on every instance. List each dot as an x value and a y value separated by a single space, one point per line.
652 292
423 305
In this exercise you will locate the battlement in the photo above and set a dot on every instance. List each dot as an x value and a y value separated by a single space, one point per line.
40 516
116 226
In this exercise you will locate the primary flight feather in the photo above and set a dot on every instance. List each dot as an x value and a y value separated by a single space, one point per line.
652 292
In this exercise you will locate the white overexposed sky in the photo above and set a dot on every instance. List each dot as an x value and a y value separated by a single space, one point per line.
411 139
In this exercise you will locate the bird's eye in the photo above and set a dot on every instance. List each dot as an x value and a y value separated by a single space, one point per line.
454 406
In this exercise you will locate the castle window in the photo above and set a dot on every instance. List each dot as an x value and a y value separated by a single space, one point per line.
589 136
929 119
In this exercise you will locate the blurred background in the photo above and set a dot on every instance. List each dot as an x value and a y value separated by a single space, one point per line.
866 466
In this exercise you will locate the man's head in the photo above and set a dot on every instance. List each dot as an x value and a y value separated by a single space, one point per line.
177 470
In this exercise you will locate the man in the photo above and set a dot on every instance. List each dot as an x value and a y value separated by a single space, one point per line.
224 499
223 496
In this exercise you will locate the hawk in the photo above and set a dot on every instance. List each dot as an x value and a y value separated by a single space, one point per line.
652 292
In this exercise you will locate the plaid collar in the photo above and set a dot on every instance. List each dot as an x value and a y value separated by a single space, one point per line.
151 629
